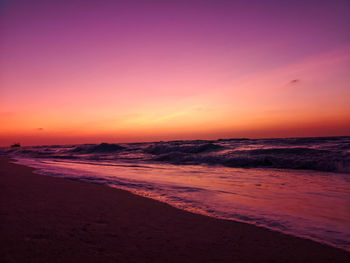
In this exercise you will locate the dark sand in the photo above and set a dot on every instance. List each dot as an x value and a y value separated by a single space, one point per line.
47 219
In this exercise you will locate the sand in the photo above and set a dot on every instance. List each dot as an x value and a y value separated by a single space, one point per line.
48 219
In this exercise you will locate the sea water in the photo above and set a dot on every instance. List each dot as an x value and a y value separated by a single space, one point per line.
299 186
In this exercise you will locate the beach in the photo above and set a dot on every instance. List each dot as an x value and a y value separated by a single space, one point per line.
48 219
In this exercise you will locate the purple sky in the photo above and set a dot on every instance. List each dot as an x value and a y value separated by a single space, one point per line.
119 69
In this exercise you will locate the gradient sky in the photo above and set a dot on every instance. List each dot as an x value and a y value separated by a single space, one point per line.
121 71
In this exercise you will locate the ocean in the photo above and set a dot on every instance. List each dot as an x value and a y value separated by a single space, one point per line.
298 186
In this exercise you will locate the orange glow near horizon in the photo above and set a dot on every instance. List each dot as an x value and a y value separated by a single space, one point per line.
80 77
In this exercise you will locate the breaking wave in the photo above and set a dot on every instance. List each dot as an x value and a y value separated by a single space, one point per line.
100 148
166 148
331 154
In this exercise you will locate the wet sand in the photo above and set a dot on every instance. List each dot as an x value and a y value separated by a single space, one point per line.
48 219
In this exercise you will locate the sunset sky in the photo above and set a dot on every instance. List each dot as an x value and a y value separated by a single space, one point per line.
123 71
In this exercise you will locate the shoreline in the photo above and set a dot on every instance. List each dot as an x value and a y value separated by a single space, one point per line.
49 219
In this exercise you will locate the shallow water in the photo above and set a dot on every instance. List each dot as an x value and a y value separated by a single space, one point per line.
305 203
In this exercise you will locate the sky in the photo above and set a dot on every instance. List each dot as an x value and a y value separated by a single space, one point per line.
128 71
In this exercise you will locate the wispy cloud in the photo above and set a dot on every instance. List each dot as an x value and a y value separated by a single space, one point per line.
294 82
